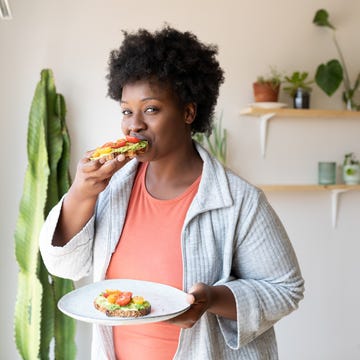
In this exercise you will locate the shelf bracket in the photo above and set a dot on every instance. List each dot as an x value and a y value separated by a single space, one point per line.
264 119
334 204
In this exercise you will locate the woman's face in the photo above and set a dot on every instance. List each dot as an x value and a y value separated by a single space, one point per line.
152 112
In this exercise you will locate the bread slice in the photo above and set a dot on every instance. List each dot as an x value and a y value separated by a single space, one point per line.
110 150
135 306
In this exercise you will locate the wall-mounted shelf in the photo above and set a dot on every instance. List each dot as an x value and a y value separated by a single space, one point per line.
335 190
304 113
267 114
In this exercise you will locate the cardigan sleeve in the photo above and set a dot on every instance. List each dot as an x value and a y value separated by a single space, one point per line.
72 261
267 281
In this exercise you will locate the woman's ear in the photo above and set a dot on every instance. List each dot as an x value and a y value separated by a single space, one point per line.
190 113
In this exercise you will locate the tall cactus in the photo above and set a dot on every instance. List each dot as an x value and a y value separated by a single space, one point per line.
37 319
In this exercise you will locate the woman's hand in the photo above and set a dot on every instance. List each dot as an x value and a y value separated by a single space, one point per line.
218 300
92 176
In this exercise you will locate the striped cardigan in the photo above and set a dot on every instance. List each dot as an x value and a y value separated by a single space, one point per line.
231 236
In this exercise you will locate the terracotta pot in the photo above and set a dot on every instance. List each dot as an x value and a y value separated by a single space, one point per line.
265 92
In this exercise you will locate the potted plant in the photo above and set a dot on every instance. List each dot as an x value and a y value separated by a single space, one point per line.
351 170
330 75
298 87
266 88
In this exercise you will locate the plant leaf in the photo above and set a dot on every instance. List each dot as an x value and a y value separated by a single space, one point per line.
47 312
322 19
27 315
329 76
30 220
65 327
64 180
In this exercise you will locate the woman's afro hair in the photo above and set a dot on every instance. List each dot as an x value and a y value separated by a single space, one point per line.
177 59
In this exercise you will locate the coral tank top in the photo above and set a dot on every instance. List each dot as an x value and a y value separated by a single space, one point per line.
150 249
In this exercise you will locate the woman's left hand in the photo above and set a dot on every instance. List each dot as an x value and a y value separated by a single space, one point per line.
200 298
218 300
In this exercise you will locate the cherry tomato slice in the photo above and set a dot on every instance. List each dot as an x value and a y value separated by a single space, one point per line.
112 298
124 298
132 139
118 144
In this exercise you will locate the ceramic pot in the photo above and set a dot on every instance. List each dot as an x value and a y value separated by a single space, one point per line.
266 92
351 174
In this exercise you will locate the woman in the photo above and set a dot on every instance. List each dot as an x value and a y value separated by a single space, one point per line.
175 215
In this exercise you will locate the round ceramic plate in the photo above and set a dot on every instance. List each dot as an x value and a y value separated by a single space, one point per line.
166 302
268 105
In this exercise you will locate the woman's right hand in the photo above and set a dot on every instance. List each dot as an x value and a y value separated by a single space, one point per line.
92 176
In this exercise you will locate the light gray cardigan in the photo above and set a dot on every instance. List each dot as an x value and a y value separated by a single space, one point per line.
231 236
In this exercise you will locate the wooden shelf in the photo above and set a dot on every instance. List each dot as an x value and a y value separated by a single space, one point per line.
304 113
335 190
309 187
266 115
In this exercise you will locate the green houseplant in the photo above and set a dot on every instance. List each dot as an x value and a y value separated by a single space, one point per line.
37 320
329 76
351 169
216 143
266 88
298 87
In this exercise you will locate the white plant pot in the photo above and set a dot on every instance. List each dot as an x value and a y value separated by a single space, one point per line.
351 174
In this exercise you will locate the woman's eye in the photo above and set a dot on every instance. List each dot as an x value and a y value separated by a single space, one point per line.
151 109
126 112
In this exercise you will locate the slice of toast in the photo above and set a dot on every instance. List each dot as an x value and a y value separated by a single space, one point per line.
107 302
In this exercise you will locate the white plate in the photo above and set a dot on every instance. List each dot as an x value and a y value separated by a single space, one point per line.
268 105
166 302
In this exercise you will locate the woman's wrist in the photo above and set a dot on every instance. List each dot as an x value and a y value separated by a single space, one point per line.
222 301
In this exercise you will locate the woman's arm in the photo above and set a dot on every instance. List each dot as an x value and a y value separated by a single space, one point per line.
266 285
78 207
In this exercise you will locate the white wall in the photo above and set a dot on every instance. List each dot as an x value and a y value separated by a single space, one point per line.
74 39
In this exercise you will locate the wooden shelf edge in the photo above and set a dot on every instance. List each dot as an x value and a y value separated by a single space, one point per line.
304 113
307 187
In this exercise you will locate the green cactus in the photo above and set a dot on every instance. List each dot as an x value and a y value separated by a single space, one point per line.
37 319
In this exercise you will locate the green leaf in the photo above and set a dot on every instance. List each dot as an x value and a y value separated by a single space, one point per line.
30 220
322 19
216 142
32 203
54 140
329 76
47 312
64 179
65 329
28 315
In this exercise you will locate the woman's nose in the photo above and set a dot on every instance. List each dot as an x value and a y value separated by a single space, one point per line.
136 123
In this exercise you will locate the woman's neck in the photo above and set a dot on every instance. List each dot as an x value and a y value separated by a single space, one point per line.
167 179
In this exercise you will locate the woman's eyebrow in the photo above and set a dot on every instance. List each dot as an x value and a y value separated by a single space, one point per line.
144 99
